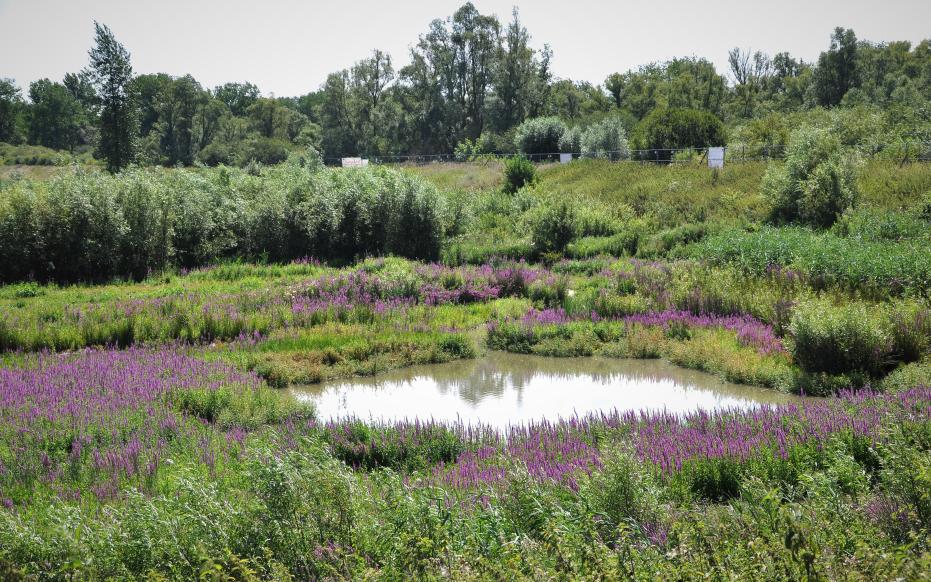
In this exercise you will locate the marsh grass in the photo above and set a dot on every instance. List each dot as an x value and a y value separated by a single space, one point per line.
336 350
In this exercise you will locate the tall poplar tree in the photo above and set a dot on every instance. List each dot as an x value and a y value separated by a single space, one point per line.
112 75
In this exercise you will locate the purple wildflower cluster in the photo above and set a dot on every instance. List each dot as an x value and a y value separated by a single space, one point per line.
784 276
431 284
550 451
669 441
100 420
101 417
750 331
343 297
652 278
196 315
481 283
553 316
560 451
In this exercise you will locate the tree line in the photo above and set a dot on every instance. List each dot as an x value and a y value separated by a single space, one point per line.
471 80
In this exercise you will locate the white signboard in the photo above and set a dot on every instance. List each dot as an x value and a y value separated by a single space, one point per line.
565 158
354 162
715 157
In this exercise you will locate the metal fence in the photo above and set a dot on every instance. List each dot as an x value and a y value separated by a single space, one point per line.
899 152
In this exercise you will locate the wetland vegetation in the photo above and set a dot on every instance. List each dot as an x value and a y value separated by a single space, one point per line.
224 360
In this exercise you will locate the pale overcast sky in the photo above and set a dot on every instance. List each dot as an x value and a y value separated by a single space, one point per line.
288 47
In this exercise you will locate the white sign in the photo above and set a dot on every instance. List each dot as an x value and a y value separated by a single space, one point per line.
565 158
715 157
354 162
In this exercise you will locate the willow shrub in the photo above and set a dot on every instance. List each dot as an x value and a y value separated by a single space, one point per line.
539 135
571 141
554 224
605 139
817 182
95 227
518 172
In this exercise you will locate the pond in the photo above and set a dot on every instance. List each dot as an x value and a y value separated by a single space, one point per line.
501 389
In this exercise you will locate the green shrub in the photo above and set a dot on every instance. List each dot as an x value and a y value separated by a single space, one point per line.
817 182
303 498
667 129
36 155
619 245
266 151
364 446
666 241
206 218
269 226
906 479
605 139
907 377
496 143
911 331
623 493
554 225
216 154
840 339
414 226
146 245
540 135
518 172
80 228
571 141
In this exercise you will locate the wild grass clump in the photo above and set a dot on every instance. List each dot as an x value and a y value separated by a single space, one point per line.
338 350
882 225
839 340
36 155
668 196
739 349
622 244
905 377
402 447
875 269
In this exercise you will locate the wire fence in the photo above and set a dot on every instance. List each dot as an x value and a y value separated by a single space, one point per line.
903 152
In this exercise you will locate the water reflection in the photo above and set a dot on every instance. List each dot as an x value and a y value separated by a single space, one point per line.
503 389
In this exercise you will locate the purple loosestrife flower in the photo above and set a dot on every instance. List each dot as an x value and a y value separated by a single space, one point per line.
114 408
750 332
559 452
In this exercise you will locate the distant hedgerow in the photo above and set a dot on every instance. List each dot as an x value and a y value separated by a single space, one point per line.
96 227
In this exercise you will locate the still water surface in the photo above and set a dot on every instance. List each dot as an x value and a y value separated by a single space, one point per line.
502 389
